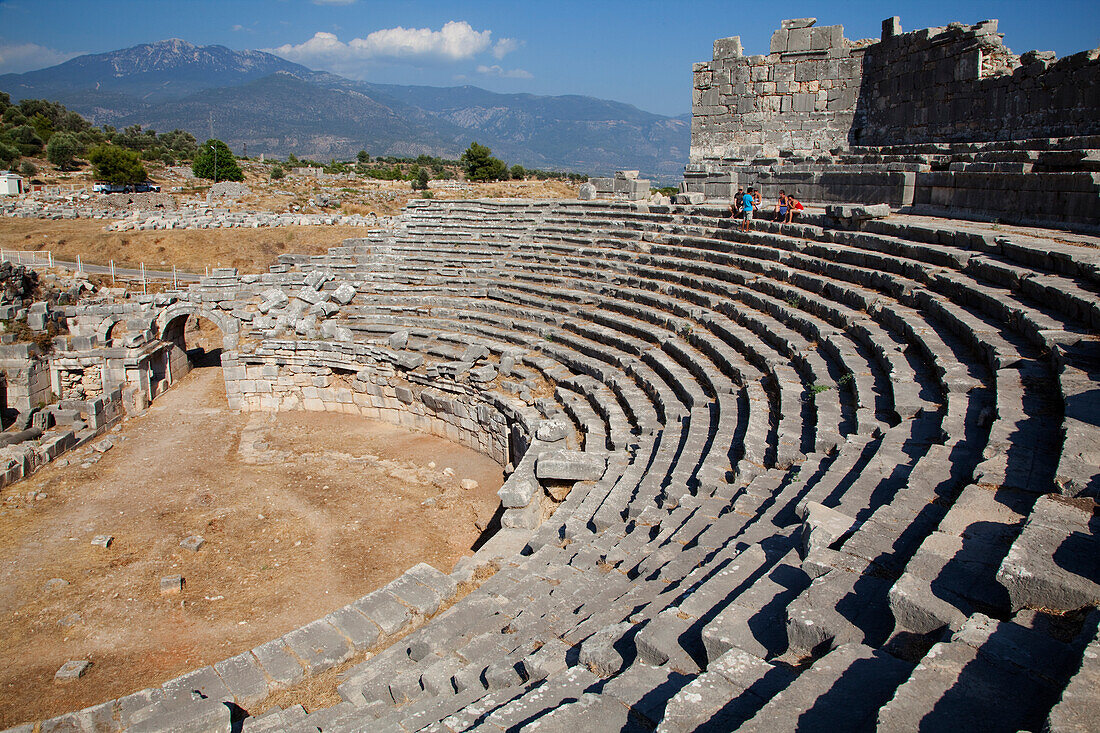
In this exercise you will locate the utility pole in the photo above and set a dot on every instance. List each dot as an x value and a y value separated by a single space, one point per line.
215 163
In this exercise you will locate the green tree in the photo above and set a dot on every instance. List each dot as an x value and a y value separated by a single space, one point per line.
518 172
116 165
480 165
27 140
62 150
277 172
29 169
421 182
43 126
203 163
8 155
363 157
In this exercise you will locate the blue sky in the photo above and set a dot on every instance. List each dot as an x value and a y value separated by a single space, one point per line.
636 51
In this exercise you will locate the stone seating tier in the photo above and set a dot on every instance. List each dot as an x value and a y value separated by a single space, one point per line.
830 456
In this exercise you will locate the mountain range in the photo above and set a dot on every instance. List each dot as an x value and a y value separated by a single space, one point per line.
261 103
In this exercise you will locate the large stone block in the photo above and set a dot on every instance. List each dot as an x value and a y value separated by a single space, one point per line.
725 48
798 39
1055 562
779 41
567 465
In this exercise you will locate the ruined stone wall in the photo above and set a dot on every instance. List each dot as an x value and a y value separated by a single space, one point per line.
817 91
800 98
292 376
960 83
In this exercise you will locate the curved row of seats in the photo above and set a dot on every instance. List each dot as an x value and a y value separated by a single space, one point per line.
832 457
824 445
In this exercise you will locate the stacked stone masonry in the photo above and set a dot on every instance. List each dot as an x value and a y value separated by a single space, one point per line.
943 118
814 478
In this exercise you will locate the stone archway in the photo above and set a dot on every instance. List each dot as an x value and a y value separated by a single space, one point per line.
197 337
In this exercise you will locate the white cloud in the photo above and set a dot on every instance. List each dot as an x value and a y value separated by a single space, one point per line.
454 42
495 70
16 58
504 46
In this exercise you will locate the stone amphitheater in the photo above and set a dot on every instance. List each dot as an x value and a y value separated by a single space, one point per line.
835 475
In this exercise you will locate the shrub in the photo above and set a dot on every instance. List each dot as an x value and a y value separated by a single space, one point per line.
115 165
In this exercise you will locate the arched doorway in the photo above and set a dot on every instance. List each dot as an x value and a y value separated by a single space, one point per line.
199 338
195 339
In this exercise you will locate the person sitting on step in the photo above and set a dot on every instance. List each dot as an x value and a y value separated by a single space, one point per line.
794 207
781 206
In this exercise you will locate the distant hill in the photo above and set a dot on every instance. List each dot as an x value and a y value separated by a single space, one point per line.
277 107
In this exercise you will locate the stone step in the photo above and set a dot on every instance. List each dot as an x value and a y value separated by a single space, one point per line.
976 676
841 691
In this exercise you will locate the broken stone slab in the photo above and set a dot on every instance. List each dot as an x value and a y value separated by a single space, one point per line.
398 340
551 431
408 361
797 23
693 197
853 215
474 353
195 715
192 542
102 540
315 279
283 669
171 585
1055 562
570 465
609 650
518 491
587 192
822 526
486 373
525 517
438 581
102 446
344 294
72 670
384 610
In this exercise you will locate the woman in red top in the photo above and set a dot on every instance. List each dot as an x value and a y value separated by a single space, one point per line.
794 206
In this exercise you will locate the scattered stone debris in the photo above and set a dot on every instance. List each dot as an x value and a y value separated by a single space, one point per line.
103 540
55 584
229 189
192 542
171 585
72 670
70 620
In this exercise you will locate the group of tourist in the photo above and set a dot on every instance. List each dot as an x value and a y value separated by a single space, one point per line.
747 202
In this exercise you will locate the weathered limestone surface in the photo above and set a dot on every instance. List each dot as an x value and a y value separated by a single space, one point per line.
944 117
828 476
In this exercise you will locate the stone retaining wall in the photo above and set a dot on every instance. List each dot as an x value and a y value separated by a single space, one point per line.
293 376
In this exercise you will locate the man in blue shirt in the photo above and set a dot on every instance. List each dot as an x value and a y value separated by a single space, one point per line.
747 204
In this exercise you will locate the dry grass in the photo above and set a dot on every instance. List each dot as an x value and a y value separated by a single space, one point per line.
250 250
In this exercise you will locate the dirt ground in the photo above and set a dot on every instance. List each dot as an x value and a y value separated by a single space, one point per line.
301 513
191 250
